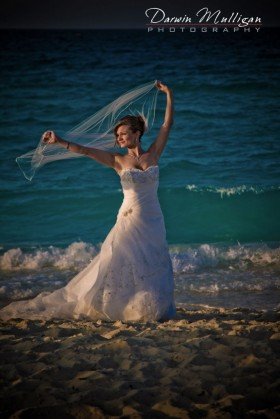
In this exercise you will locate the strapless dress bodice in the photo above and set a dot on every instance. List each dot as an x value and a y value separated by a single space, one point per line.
131 177
140 190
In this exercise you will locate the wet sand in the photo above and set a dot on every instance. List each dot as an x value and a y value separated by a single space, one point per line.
207 362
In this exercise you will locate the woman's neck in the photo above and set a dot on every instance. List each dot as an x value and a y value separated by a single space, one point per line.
135 151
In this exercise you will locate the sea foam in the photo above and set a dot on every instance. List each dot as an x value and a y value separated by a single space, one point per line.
185 258
74 256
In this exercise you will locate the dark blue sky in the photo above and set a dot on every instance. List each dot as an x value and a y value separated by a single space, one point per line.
93 14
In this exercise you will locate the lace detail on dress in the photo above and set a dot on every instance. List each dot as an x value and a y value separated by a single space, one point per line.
134 175
142 285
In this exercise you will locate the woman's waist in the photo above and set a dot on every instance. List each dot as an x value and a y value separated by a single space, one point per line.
141 205
135 198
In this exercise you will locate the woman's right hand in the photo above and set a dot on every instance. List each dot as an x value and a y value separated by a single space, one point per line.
49 137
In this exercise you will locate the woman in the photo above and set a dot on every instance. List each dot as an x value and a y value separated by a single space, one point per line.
131 278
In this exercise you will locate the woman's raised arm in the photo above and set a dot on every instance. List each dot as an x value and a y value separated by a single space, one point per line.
158 145
103 157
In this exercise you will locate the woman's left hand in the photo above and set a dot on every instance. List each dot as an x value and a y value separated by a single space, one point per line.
162 87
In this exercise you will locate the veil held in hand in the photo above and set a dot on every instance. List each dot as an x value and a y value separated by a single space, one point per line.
96 131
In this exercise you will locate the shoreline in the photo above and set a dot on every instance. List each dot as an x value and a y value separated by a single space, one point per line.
213 362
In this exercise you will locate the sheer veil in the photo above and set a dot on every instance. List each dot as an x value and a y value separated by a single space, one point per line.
97 130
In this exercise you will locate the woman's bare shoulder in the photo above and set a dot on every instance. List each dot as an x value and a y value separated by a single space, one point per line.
120 161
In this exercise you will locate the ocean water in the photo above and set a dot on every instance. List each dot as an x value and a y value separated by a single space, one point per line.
219 175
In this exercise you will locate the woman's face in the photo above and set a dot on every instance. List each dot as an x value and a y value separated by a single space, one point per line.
126 137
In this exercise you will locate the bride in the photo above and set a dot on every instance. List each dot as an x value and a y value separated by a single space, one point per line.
131 279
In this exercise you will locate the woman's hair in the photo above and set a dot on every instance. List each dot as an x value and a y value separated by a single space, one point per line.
136 123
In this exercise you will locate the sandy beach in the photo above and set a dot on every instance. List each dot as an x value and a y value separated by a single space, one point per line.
207 362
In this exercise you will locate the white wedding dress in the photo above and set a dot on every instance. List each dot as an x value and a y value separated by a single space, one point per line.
131 279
